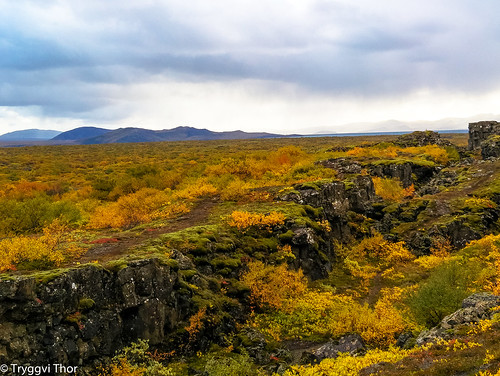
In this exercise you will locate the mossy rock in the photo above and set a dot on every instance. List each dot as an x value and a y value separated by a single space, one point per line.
221 262
188 274
286 237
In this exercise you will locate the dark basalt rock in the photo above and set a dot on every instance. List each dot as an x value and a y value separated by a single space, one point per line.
490 148
344 166
443 179
480 131
315 263
47 322
337 199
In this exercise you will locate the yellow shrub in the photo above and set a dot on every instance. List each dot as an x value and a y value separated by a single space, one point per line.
272 286
347 365
294 311
243 220
487 243
46 249
381 250
123 368
140 207
429 152
432 152
391 189
199 189
235 190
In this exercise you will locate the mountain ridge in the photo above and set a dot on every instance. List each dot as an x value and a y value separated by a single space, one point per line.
181 133
81 133
30 135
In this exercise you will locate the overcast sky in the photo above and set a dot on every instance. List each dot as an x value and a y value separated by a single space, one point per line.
282 65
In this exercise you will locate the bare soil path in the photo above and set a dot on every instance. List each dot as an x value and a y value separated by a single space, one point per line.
120 244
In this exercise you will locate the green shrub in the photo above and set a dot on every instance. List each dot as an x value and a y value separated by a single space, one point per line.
240 365
443 292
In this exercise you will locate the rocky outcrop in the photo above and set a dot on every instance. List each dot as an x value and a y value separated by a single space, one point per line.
88 313
490 148
480 131
337 198
421 138
443 179
408 173
315 261
475 308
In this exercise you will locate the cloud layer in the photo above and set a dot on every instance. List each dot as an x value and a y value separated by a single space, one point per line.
256 65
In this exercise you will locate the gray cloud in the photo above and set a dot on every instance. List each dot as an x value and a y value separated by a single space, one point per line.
69 57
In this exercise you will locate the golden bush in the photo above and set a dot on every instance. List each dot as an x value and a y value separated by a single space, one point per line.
392 189
244 220
273 286
47 250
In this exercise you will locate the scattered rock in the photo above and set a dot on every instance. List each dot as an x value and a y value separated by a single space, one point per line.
405 340
443 179
343 166
352 344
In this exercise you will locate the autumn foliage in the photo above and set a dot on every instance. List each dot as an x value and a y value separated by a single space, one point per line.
47 250
392 189
243 220
292 310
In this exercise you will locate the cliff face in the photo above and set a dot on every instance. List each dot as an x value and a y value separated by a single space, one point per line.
480 131
88 312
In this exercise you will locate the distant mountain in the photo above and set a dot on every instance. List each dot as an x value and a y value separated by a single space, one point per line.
176 134
81 133
29 135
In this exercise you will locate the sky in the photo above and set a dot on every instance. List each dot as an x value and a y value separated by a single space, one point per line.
283 66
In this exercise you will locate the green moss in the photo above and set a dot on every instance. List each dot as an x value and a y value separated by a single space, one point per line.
49 276
313 212
85 303
116 265
393 208
188 273
222 262
286 237
414 161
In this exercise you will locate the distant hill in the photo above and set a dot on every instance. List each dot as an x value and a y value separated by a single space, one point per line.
29 135
176 134
81 133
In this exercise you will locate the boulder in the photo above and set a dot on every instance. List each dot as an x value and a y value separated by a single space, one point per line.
352 344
